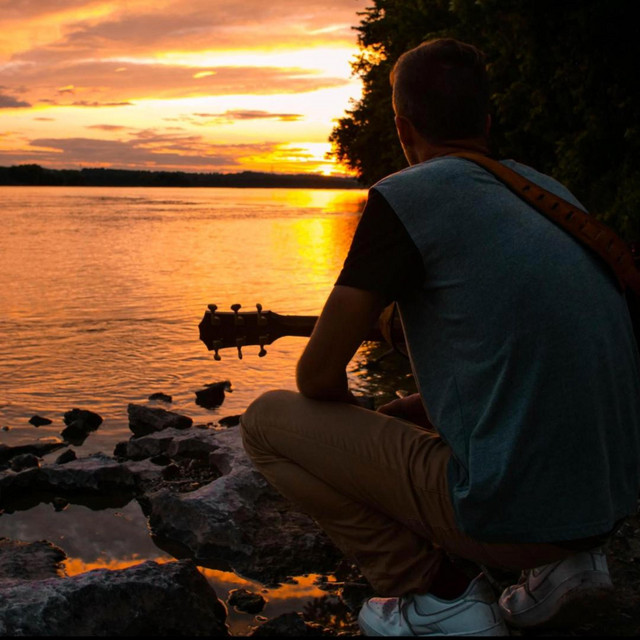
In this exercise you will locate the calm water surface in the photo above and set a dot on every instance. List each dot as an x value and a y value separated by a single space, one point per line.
101 292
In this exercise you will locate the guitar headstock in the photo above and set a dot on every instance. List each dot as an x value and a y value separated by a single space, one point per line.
237 329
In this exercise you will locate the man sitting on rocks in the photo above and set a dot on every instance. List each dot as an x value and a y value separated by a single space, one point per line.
522 449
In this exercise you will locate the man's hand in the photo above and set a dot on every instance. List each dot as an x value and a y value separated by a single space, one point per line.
347 317
409 408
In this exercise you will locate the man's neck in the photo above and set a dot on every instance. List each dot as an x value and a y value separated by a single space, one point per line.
429 150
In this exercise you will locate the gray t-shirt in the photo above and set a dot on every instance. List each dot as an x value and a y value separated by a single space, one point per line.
523 351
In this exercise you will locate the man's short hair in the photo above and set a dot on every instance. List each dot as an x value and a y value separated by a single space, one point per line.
442 88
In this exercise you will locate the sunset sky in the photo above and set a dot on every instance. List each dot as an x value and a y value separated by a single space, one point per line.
189 85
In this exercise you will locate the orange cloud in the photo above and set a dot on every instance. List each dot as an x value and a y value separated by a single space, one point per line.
71 65
103 83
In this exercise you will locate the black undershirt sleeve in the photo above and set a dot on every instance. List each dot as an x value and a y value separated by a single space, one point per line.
383 258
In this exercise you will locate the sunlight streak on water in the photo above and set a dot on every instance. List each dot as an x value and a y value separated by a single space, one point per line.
101 291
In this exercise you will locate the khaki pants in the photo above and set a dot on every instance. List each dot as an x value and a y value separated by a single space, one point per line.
376 484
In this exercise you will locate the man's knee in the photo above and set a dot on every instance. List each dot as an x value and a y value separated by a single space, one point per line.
265 410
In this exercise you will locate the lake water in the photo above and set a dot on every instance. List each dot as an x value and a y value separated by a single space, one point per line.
101 292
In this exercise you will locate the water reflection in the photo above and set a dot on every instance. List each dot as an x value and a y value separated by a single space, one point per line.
101 292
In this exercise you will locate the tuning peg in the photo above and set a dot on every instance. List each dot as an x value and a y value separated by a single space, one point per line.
239 344
261 319
215 320
261 341
216 344
238 320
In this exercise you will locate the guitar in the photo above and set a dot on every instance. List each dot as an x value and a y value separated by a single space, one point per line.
238 329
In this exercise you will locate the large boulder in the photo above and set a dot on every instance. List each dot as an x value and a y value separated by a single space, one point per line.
149 599
238 522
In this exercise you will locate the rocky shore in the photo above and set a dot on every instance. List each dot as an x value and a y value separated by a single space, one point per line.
207 506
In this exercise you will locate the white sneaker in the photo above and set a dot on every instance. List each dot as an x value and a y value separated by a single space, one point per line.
558 593
474 613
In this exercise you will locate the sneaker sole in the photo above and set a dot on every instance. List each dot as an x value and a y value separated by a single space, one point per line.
586 594
498 629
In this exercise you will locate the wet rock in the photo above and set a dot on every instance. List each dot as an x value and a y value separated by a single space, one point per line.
80 422
22 561
149 599
238 522
229 421
39 421
38 449
97 477
246 601
161 396
212 395
144 420
287 625
24 461
66 456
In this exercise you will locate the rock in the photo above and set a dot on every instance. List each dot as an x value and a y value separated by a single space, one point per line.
213 395
171 472
39 421
148 599
59 504
21 561
144 420
246 601
238 522
38 449
66 456
353 594
96 480
80 422
24 461
229 421
161 396
286 625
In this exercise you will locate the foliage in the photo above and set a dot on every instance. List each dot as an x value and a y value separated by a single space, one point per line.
566 96
33 174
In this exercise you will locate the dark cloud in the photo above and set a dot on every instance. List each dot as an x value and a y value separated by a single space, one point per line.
76 152
147 149
86 103
9 102
107 127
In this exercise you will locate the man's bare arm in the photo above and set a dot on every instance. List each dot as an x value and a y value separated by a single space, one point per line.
347 317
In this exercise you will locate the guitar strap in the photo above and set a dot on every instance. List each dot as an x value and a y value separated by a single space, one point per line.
586 229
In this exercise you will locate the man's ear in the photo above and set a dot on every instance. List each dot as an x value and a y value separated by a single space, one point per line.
406 131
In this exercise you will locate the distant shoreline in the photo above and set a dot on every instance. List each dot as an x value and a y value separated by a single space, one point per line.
35 175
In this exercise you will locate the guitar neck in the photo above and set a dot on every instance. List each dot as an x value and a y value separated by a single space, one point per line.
303 326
